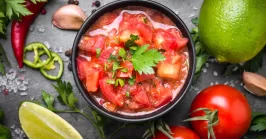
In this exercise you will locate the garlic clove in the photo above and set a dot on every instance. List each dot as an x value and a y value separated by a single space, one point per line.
255 83
69 17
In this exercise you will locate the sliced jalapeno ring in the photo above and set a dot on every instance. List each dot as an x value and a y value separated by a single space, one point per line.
37 62
51 66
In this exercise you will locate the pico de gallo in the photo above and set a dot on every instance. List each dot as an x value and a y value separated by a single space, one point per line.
133 60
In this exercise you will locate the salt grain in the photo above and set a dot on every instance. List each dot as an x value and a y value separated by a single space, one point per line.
195 8
41 28
17 131
13 126
32 98
216 82
47 44
204 70
206 65
215 73
22 87
23 93
211 83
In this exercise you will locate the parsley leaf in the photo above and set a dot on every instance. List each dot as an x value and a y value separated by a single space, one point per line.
16 7
4 131
2 115
258 122
98 52
122 53
2 25
49 100
66 96
144 60
195 21
131 81
110 81
131 41
3 58
119 82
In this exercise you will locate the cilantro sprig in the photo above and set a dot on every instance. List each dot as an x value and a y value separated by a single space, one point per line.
144 60
258 122
67 97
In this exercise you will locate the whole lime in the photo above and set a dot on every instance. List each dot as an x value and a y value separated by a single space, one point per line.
233 30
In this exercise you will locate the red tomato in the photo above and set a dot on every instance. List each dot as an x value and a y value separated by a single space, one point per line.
105 54
128 66
234 112
160 95
168 41
143 77
90 44
81 65
92 79
142 98
108 91
179 132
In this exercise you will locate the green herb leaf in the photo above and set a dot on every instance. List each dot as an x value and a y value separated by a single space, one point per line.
195 21
127 94
5 132
98 52
112 58
124 70
201 60
131 41
49 100
258 122
255 63
144 60
131 81
17 8
3 58
66 95
116 66
119 82
145 20
122 53
110 81
35 1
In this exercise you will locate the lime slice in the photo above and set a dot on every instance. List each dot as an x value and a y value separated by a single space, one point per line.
41 123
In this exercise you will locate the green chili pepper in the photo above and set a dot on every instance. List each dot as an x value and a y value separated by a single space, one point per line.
51 66
37 62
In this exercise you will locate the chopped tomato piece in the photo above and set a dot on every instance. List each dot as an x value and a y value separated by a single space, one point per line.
142 98
126 71
169 70
108 91
110 106
81 65
105 54
143 77
167 41
160 96
91 44
92 80
145 31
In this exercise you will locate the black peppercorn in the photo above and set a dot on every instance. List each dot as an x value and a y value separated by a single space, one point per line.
69 66
93 11
68 53
97 3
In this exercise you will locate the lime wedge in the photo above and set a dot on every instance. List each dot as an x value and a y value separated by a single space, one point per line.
41 123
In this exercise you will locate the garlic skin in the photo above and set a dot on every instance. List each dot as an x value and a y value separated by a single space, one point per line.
255 83
69 17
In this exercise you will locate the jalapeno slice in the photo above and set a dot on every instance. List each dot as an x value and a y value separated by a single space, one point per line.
37 48
51 66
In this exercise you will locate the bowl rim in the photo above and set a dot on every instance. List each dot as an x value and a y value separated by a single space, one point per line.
153 5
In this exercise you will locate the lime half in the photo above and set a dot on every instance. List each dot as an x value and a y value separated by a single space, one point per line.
41 123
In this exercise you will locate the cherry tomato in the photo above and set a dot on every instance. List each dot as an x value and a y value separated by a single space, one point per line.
234 112
179 132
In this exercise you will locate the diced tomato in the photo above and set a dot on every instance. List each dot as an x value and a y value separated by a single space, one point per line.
145 31
142 98
108 91
144 77
92 79
105 54
169 70
167 41
110 106
82 63
91 44
133 105
128 66
172 57
160 96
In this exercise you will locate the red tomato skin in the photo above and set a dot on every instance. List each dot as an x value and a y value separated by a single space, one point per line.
234 112
144 77
179 132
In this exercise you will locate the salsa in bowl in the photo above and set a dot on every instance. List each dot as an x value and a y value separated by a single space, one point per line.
132 62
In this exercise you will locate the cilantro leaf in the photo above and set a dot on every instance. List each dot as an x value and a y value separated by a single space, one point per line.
16 7
49 100
5 132
131 81
195 21
66 95
98 52
122 53
131 41
2 25
110 81
144 60
35 1
258 122
120 82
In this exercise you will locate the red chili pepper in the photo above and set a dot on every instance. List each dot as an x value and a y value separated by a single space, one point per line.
20 29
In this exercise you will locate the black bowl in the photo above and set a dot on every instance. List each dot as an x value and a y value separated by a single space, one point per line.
149 4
